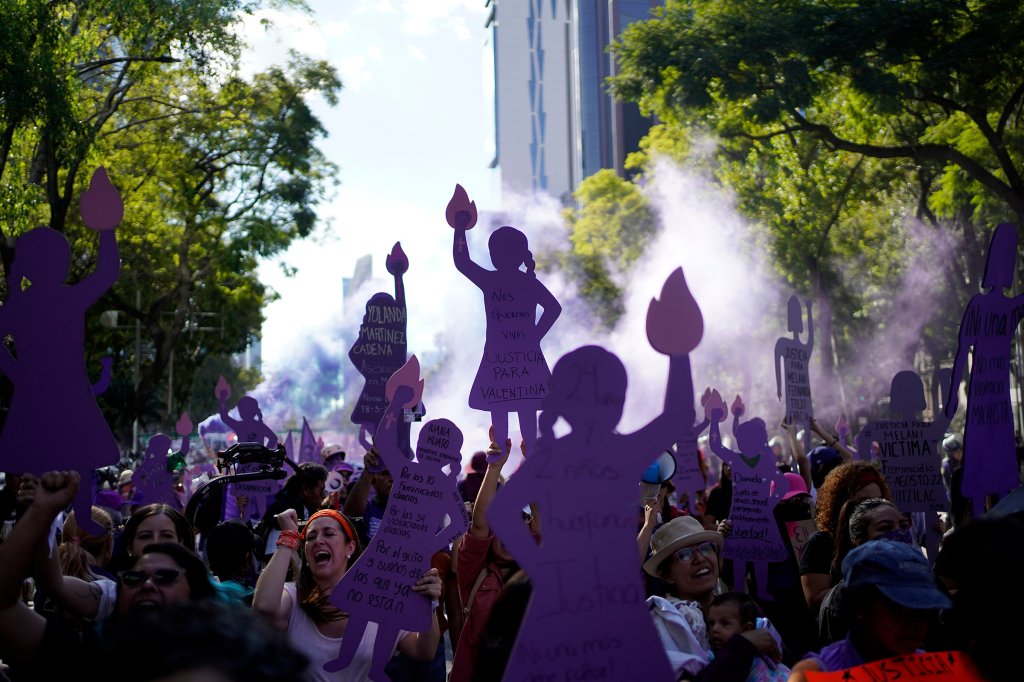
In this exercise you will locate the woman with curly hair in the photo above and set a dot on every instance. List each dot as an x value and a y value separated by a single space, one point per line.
850 481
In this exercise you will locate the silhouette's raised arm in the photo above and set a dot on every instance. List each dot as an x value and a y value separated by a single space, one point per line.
461 215
186 443
386 438
108 267
463 262
715 439
229 421
397 264
101 209
959 362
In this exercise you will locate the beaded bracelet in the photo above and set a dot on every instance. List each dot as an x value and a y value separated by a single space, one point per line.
288 539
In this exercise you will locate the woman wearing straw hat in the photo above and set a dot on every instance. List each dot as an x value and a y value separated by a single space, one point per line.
685 555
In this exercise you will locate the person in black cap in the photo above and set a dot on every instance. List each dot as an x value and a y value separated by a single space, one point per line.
823 460
894 599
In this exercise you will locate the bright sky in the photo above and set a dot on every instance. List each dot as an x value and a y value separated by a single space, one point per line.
414 118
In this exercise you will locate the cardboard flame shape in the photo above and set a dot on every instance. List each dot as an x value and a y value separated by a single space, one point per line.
712 400
674 321
223 390
101 207
738 408
407 375
184 425
397 262
461 212
842 428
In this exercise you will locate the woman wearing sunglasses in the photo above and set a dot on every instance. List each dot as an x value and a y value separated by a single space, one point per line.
165 574
685 556
96 600
162 576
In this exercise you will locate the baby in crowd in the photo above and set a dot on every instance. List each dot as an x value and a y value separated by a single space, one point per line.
734 612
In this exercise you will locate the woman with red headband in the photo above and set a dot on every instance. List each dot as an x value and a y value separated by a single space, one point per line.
327 546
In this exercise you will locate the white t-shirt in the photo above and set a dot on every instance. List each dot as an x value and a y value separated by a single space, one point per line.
108 598
304 636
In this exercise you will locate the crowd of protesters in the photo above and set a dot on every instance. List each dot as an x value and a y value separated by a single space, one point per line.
249 599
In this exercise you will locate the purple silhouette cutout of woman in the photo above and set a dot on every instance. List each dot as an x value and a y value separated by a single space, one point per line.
249 427
380 351
587 608
989 325
513 375
689 477
793 358
152 480
910 455
46 318
377 586
755 479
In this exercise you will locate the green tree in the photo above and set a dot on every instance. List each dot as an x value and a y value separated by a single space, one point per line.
608 232
936 82
837 121
216 171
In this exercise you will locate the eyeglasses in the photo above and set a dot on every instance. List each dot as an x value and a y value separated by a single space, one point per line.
161 577
688 554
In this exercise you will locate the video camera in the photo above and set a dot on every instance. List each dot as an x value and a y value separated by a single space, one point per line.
248 453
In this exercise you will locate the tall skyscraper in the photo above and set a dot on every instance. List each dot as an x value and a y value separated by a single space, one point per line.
533 92
555 122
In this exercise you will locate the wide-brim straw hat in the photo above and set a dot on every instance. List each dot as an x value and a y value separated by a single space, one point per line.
681 532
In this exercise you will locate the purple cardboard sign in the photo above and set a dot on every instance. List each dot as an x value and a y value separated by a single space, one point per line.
152 480
793 359
587 617
308 451
256 496
46 319
689 477
381 347
289 446
987 330
909 450
757 486
377 587
513 375
249 428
